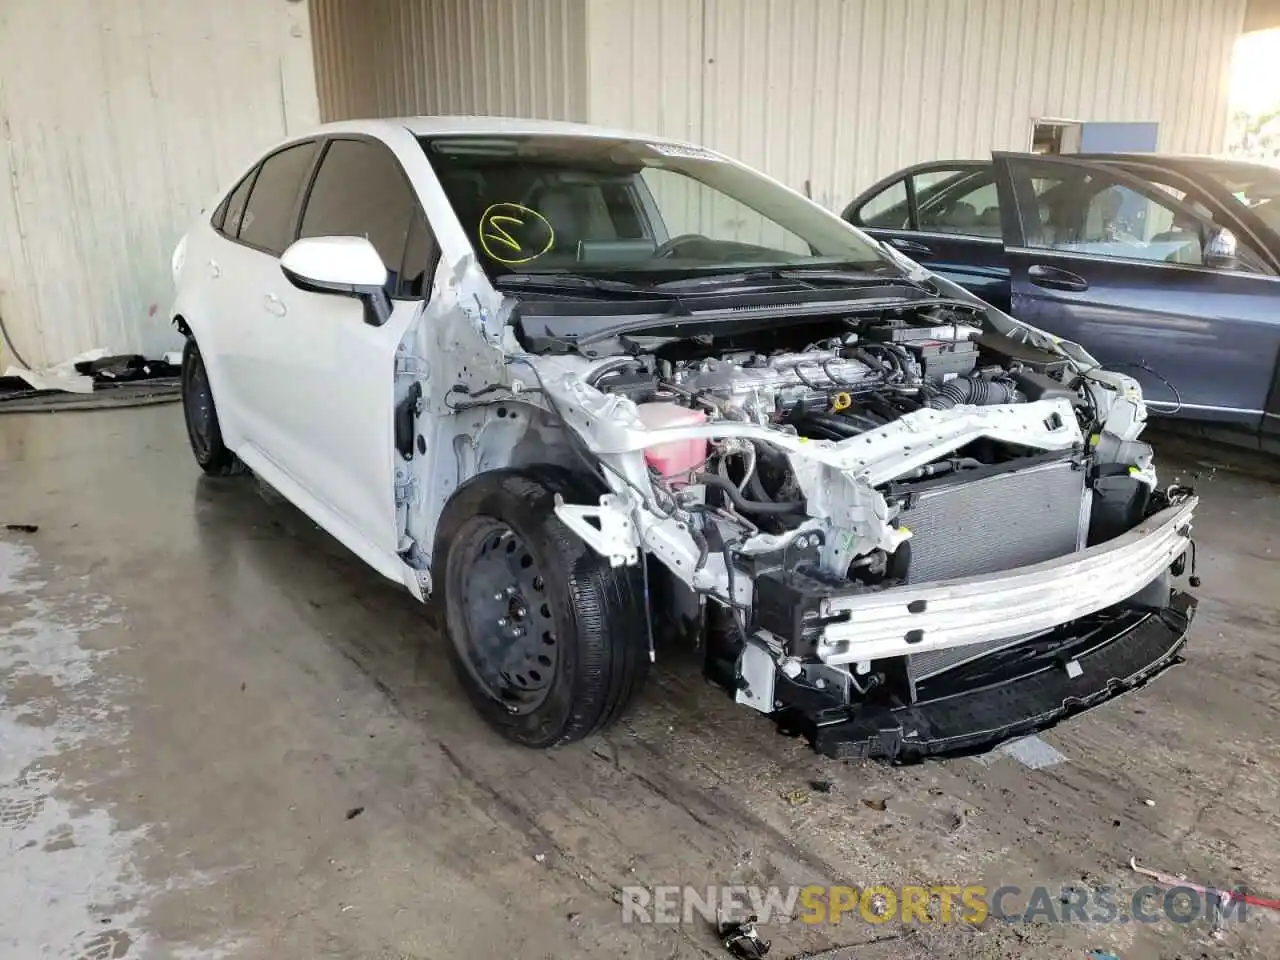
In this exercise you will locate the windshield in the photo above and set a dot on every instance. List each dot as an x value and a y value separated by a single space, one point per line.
649 211
1257 187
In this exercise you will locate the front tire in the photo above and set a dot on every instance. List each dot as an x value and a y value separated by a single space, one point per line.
548 639
201 415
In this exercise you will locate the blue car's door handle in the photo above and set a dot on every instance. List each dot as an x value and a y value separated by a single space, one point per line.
911 248
1054 279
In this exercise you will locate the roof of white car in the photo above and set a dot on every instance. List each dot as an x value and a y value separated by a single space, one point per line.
497 126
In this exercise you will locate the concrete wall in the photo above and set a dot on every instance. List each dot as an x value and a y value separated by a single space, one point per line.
524 58
837 93
118 120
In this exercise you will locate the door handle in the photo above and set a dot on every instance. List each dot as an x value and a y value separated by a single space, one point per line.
274 305
1051 278
215 271
911 248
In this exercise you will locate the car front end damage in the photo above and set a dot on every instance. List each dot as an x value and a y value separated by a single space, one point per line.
892 561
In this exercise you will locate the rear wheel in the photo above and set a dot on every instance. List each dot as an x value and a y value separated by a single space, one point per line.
548 639
202 417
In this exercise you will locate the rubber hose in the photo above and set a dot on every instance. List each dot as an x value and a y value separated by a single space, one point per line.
741 502
871 361
817 432
905 360
863 420
976 391
609 367
756 488
845 426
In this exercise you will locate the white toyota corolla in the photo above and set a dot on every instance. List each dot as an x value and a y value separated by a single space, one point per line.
587 391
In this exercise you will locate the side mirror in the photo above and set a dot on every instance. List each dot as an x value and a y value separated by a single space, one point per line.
343 266
1220 249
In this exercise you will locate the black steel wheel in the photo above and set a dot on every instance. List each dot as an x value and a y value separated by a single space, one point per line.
547 638
202 417
509 645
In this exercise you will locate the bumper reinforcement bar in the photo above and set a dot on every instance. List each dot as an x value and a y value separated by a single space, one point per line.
1016 692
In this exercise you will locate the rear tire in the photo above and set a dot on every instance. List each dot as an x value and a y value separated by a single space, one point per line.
201 415
548 639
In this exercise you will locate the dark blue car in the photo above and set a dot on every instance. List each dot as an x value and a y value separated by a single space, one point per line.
1167 268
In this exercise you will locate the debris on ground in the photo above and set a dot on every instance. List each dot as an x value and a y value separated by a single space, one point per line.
1224 897
821 786
540 857
795 798
743 940
1149 802
22 527
91 380
354 812
61 376
875 803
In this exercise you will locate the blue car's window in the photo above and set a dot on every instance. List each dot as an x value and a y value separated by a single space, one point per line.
1080 211
887 209
951 201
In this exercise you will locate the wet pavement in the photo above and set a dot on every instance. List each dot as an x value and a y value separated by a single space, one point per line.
222 736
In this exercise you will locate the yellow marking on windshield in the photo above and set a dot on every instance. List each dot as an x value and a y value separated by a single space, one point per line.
519 229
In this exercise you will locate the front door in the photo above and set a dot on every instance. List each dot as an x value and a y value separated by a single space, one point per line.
332 396
1116 262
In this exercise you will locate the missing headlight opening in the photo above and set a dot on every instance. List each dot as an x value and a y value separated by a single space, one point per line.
868 519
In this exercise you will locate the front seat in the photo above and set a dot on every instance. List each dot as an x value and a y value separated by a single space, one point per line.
569 214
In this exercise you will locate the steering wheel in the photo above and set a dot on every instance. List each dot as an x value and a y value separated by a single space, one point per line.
669 248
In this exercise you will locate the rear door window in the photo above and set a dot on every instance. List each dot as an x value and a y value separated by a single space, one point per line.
361 190
888 209
271 213
959 200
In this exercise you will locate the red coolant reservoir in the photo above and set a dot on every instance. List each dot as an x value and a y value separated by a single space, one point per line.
680 456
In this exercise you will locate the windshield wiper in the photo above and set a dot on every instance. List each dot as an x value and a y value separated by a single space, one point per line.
806 276
571 283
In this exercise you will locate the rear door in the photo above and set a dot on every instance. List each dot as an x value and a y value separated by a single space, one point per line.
945 216
250 289
1116 261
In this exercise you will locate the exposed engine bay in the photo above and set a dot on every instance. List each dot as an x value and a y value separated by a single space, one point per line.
863 515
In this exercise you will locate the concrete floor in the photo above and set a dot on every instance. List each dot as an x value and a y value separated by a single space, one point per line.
198 689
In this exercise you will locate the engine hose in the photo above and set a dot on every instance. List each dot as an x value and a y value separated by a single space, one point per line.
940 467
815 431
741 502
846 425
870 360
905 360
757 490
976 391
608 367
864 421
890 360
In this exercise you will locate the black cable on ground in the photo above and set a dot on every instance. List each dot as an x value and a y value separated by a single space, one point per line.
4 334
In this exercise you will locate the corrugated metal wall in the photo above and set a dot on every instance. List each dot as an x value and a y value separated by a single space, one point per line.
524 58
838 93
119 119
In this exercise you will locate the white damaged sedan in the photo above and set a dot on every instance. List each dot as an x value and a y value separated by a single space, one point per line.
592 393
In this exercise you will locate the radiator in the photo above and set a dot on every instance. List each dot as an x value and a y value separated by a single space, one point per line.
1001 519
